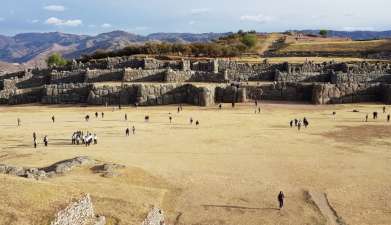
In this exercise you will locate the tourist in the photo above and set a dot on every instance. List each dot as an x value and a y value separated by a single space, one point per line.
366 118
35 143
46 140
334 115
87 118
291 123
179 109
19 122
259 109
388 118
233 104
34 136
126 116
96 114
220 106
146 118
197 123
281 198
134 130
384 109
53 119
305 122
127 132
296 122
299 125
103 115
374 115
170 118
191 120
95 139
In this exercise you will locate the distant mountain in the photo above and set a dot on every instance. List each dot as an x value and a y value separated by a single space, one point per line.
355 35
32 48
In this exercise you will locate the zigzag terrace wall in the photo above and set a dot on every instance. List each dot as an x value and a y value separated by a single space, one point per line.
129 80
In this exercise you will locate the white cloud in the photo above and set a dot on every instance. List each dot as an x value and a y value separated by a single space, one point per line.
106 25
201 11
260 18
59 22
55 8
358 29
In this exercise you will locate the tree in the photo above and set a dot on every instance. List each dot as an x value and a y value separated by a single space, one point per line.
323 33
56 60
250 40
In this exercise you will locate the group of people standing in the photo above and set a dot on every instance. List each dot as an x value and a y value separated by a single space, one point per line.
45 140
299 123
88 138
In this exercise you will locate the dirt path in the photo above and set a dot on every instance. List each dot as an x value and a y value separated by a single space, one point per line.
321 201
268 43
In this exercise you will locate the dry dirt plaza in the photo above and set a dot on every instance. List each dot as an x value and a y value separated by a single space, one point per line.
228 170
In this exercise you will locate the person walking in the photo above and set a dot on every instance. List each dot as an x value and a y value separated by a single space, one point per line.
46 140
281 198
127 132
134 130
53 119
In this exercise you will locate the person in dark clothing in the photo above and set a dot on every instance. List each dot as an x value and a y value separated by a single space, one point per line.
291 123
46 141
35 143
170 118
34 136
388 118
384 109
305 122
366 118
146 118
296 122
103 115
281 198
87 118
191 120
233 104
126 116
96 114
179 109
197 123
374 115
53 119
127 132
220 106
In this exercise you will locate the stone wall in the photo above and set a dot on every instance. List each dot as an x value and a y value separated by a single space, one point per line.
301 77
280 92
163 94
230 94
74 76
351 77
80 212
139 75
106 75
112 95
172 76
248 71
66 93
347 93
386 90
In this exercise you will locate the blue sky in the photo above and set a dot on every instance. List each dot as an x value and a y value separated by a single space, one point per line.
196 16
